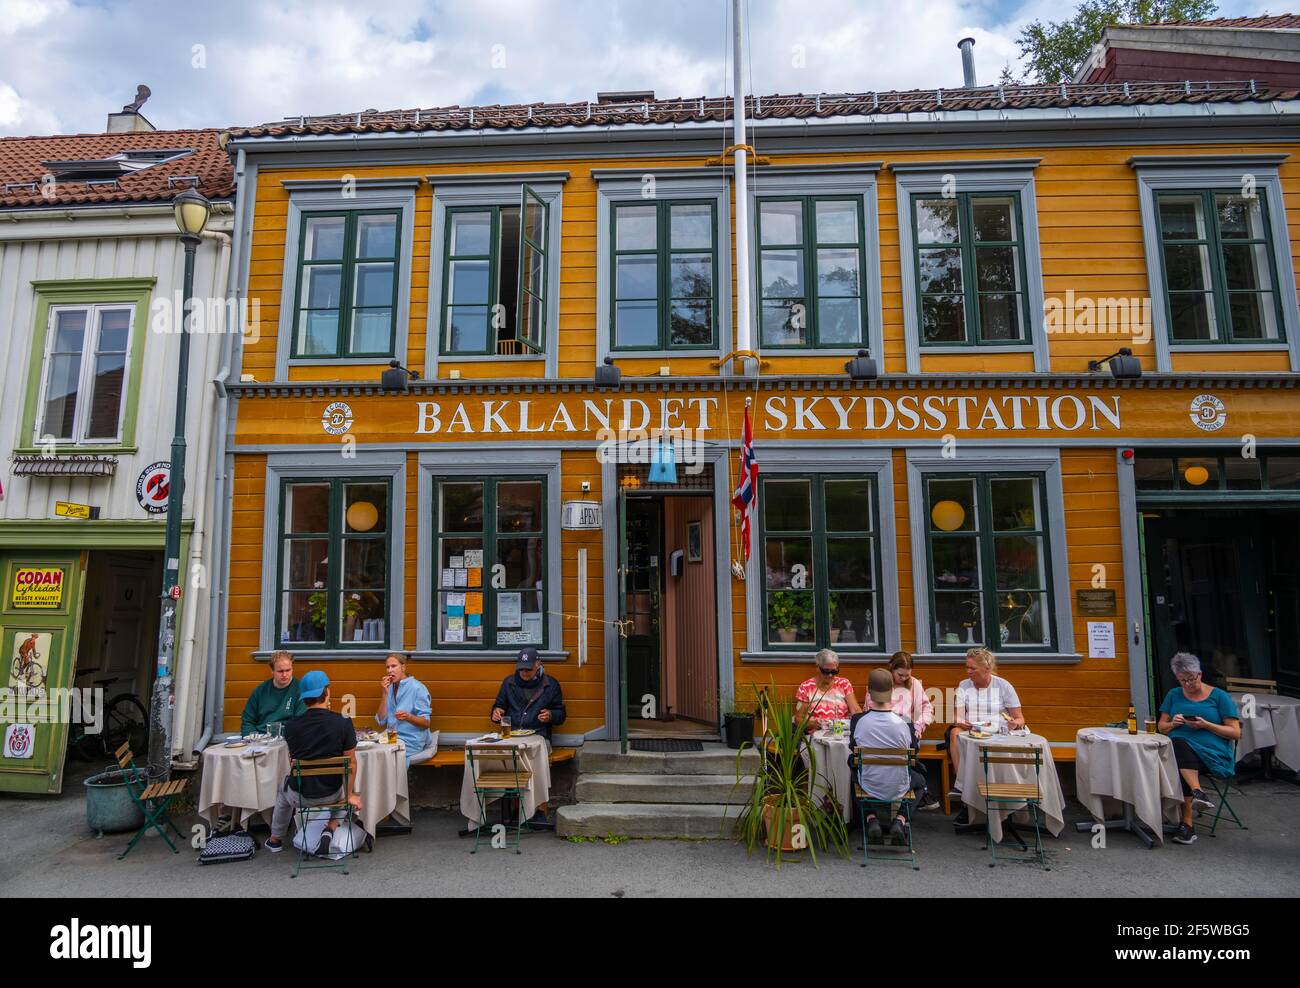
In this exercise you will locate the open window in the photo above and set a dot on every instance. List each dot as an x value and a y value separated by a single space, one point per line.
495 278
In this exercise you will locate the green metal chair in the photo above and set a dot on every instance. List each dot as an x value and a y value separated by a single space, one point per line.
885 756
1013 794
507 780
153 798
1221 784
315 767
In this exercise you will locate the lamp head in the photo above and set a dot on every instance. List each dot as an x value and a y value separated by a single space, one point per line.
192 210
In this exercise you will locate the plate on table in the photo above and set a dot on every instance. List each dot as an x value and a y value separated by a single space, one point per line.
367 743
978 735
526 732
236 744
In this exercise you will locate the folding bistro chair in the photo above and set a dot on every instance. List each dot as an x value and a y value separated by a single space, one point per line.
885 756
308 768
1221 784
153 798
499 777
1012 794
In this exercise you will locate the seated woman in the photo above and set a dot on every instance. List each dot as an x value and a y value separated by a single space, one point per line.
404 707
826 697
1202 722
982 697
910 702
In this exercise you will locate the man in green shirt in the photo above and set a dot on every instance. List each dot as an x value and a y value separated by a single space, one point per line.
275 700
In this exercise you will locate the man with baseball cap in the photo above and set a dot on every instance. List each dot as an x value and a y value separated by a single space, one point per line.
880 727
318 733
531 699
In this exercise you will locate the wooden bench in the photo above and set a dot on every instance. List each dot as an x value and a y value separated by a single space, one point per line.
455 758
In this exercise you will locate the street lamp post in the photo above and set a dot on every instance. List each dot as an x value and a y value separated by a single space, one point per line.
192 210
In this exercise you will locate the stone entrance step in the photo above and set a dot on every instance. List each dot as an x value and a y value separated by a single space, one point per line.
716 759
697 821
614 787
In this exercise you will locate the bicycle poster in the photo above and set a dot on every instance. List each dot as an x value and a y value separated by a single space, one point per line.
29 661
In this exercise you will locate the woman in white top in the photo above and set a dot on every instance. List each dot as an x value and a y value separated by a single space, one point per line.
982 697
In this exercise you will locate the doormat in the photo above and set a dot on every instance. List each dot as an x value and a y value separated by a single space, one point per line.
666 744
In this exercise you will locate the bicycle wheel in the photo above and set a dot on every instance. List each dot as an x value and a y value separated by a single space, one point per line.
34 674
125 719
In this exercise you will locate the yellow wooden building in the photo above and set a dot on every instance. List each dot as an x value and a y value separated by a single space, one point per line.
973 480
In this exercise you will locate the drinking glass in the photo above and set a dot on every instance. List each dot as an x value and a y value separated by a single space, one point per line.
505 726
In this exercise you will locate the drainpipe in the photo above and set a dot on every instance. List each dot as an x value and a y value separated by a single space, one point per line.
967 46
214 689
743 338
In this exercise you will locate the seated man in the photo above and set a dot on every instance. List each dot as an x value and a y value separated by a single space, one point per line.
405 707
880 727
531 699
275 700
318 733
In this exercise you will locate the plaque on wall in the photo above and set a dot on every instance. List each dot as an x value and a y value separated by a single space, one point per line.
1095 602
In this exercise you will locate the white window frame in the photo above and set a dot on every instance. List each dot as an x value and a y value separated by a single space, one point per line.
1013 177
85 372
1197 172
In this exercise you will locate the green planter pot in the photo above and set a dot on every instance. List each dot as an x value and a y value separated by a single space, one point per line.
109 806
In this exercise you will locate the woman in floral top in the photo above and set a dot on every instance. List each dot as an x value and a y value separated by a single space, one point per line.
827 696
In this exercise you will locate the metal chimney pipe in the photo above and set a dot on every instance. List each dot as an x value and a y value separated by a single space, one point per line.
967 46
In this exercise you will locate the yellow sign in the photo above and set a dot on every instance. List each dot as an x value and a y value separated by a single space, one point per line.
68 509
38 587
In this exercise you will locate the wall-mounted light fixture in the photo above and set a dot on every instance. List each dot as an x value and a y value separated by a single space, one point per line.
397 377
1123 365
862 367
607 375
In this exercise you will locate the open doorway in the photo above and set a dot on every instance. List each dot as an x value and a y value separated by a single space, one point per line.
671 602
1224 584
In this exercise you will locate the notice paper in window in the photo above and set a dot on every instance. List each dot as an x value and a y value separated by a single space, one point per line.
462 578
448 578
533 628
473 603
508 610
475 577
474 627
1101 639
473 558
456 562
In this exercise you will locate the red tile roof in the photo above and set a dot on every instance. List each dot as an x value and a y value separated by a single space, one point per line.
1279 22
23 167
706 109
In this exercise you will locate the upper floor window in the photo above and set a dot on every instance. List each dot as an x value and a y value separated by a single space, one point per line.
84 376
810 269
970 269
665 272
494 278
347 284
1219 267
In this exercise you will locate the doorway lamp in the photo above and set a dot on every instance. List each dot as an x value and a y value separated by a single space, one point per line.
1123 365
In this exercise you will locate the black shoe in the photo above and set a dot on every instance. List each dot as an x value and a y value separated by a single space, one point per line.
1184 835
962 819
323 848
874 834
898 832
928 803
370 844
1200 801
274 844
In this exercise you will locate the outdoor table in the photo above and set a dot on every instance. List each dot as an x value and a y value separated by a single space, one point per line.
1137 770
971 774
248 779
834 776
1276 725
534 757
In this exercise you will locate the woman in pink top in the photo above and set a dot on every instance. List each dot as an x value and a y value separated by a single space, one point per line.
827 696
910 700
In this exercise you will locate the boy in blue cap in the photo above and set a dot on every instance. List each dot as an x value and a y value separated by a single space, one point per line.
318 733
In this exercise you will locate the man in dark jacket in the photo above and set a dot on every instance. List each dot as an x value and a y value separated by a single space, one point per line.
530 698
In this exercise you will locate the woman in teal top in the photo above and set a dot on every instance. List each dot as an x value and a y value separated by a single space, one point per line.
1202 722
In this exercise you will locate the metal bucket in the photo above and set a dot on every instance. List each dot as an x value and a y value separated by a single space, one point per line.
109 806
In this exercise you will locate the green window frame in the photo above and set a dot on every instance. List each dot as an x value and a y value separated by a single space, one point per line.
485 308
655 283
977 555
1219 274
350 282
800 270
1164 474
829 525
491 516
92 295
989 286
334 571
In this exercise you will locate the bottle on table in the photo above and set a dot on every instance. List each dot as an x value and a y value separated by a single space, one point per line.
1132 720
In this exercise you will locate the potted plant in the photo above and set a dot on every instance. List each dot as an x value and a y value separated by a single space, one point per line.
792 611
783 810
737 723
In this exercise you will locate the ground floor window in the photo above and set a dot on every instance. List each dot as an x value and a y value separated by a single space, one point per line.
490 547
821 561
989 574
334 563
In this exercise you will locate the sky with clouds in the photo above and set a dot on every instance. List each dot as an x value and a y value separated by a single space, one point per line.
64 64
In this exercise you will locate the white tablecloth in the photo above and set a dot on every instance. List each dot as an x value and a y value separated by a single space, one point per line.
1276 723
534 757
1113 766
834 776
971 774
234 778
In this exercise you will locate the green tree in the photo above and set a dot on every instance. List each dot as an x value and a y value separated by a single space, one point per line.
1053 52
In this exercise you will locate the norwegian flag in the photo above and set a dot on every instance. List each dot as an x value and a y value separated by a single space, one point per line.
747 489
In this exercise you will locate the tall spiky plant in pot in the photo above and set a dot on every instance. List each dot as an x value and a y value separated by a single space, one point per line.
784 811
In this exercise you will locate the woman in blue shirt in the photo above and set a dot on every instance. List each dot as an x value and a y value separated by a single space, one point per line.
404 707
1202 722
